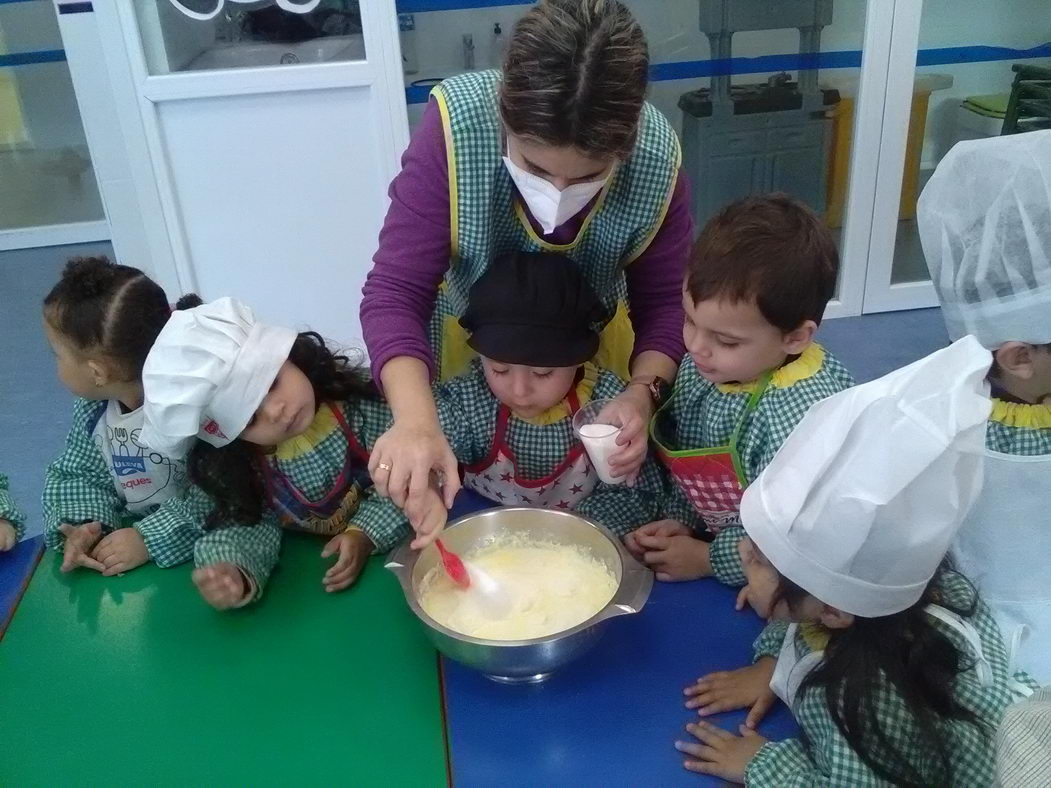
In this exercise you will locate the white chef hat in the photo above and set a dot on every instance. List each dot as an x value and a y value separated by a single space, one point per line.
985 225
207 373
860 504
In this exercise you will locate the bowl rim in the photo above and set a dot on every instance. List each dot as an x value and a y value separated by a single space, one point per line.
402 562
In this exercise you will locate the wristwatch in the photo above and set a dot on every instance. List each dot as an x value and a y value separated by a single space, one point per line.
658 388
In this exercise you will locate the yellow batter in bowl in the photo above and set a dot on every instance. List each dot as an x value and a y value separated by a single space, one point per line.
551 588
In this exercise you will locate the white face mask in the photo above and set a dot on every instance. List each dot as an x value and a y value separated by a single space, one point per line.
550 207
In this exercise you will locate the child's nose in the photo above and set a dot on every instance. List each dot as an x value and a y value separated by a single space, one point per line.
520 387
275 408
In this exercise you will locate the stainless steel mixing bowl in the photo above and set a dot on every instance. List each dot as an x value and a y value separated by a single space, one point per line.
520 661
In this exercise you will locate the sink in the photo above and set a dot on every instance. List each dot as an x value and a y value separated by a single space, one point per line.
253 54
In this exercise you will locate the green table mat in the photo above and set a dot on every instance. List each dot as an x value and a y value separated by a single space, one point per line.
134 680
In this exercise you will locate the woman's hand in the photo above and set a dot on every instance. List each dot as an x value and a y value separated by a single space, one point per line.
719 752
735 689
121 551
631 410
402 461
427 517
354 548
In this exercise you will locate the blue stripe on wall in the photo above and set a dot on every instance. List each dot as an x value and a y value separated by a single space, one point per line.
691 69
421 6
31 58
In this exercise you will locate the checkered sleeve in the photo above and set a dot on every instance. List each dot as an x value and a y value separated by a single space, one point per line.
252 548
770 640
381 520
171 532
370 418
676 506
726 562
78 487
467 413
786 764
622 509
10 512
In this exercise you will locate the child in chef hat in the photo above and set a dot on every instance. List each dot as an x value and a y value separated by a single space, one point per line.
277 428
985 223
892 666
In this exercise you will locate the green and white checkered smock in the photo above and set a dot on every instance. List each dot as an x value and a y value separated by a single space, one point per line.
8 510
829 760
488 221
468 411
79 488
1020 429
705 415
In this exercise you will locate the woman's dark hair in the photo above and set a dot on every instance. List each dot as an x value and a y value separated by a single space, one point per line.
112 310
575 75
917 661
232 474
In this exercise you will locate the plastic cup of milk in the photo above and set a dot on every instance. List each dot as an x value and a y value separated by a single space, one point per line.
599 434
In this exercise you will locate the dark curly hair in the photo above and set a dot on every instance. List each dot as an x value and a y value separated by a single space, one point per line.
232 474
111 310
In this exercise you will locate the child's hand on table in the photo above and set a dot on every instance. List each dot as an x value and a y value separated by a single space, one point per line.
677 557
80 539
427 515
658 528
719 752
735 689
354 547
121 551
8 537
223 585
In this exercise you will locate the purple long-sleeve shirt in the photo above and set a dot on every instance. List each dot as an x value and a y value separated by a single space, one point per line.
415 243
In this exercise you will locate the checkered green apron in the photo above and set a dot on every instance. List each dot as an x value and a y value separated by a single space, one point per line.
488 220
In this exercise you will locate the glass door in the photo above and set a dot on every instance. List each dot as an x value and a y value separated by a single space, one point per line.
48 192
953 81
765 96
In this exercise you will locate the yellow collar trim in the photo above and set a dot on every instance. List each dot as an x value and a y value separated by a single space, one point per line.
814 635
323 425
585 388
1016 414
806 366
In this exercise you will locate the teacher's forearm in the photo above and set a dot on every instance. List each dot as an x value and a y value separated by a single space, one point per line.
653 362
406 384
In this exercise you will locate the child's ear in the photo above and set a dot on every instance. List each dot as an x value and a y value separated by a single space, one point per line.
834 618
100 373
796 341
1015 359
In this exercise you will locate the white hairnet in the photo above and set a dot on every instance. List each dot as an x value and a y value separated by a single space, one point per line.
985 224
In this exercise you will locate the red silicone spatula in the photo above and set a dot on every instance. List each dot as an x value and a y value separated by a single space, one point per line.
454 566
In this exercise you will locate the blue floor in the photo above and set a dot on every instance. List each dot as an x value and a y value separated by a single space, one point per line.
35 410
